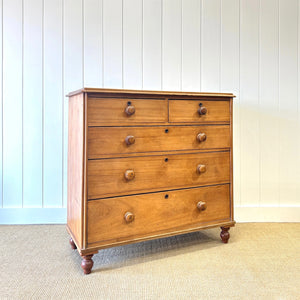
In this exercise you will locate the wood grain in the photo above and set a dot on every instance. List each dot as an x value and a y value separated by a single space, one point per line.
144 166
157 172
225 235
231 160
115 140
187 111
211 224
131 93
75 167
112 111
87 263
154 213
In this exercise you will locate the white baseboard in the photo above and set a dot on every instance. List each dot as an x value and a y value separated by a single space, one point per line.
267 214
33 216
59 215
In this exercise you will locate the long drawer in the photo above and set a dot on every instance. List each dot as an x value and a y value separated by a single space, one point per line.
126 140
121 176
114 111
199 111
121 218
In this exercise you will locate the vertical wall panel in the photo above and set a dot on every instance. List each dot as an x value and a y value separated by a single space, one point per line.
1 105
172 27
73 67
152 44
92 43
230 47
12 103
33 104
249 102
288 60
132 43
191 45
53 103
269 117
112 43
230 78
73 45
210 48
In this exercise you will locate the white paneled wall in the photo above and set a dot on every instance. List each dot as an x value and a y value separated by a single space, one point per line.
53 104
51 47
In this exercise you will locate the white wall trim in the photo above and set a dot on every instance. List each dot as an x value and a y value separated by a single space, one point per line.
267 214
33 216
59 215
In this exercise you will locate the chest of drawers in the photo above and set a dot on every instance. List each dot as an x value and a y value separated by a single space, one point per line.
145 165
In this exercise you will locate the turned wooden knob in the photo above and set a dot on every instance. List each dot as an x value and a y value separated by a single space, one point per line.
202 110
130 110
129 175
201 137
201 169
130 139
201 205
129 217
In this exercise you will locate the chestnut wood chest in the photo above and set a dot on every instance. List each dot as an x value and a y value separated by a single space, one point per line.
145 165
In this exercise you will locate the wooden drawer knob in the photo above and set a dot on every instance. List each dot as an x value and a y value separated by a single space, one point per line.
129 217
130 139
130 110
202 110
129 175
201 205
201 137
201 169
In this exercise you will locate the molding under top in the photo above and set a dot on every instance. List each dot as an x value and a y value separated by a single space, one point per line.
147 92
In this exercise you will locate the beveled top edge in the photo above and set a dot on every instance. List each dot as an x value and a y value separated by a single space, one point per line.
147 92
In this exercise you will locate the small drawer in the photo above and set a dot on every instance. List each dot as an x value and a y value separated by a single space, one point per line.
126 140
199 111
111 111
132 217
131 175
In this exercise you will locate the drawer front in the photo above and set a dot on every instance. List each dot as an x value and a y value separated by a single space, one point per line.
122 140
117 111
121 176
192 111
131 217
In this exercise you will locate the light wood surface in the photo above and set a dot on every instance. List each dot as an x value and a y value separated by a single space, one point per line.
131 93
114 111
147 165
157 172
75 168
155 213
114 140
231 160
188 111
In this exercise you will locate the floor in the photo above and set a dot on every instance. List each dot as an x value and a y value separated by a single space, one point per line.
261 261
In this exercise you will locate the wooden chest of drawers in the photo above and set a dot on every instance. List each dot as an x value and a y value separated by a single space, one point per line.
145 165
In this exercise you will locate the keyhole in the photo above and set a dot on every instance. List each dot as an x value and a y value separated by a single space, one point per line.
166 159
166 196
129 103
166 130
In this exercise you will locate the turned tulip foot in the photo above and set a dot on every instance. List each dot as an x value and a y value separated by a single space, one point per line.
225 234
73 246
87 263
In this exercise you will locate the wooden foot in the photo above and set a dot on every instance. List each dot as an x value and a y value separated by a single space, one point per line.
225 234
73 246
87 263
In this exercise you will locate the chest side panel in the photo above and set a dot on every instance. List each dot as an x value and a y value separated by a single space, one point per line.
76 154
